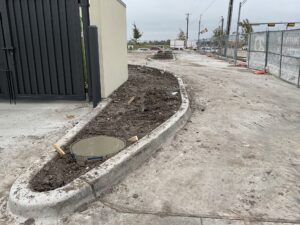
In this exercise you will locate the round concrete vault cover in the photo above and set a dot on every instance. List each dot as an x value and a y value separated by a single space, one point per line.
96 148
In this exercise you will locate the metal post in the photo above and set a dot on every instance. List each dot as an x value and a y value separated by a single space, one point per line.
199 33
222 24
281 52
9 86
86 23
95 65
249 49
237 36
267 48
222 35
187 29
226 46
229 19
13 92
299 77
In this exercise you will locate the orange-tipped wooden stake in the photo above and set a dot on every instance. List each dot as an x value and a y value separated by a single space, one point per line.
59 150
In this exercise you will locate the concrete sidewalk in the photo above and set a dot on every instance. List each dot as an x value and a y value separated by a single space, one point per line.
27 131
236 162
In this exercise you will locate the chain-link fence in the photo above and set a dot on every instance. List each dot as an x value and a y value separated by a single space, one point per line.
278 52
225 46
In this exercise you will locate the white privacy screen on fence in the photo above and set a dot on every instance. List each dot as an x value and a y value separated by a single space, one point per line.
257 49
279 51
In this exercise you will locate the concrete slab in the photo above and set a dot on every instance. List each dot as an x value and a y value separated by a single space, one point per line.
236 161
36 118
222 222
27 131
105 216
238 222
238 157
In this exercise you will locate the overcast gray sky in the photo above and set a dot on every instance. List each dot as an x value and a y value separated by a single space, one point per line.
162 19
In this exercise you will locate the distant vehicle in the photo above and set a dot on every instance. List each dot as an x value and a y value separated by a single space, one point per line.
192 44
155 49
215 49
245 47
177 44
206 49
143 50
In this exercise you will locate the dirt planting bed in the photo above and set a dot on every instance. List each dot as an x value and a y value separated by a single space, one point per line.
145 101
163 55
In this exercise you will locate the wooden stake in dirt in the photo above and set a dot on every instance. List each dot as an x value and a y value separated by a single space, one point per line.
133 139
59 150
131 100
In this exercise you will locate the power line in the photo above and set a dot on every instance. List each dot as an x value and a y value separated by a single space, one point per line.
204 11
211 3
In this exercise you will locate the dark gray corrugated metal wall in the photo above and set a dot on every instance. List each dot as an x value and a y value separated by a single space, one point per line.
47 58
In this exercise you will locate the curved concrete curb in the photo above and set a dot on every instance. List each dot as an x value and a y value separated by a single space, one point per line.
24 203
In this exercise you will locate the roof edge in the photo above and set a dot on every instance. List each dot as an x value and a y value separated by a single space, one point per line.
122 3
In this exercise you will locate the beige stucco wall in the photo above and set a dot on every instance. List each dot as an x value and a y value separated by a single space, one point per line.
110 18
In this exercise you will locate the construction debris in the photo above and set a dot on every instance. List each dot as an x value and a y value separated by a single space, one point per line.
133 139
59 150
131 100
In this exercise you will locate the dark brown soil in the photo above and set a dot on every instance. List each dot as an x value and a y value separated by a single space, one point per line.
161 55
156 99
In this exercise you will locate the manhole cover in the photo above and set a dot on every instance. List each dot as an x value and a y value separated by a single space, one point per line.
96 148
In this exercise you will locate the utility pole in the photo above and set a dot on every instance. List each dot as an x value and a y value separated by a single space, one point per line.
222 35
222 24
187 28
199 32
237 37
229 19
